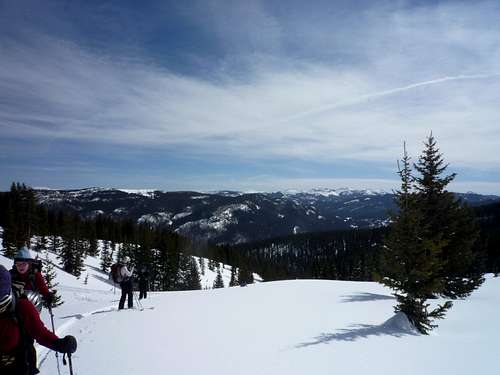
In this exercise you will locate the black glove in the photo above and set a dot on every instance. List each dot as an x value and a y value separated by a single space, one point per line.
65 345
48 300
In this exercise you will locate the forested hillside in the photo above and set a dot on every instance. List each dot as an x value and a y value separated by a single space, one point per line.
343 254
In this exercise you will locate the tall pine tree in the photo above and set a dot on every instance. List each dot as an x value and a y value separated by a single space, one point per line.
429 250
410 264
448 221
218 282
50 278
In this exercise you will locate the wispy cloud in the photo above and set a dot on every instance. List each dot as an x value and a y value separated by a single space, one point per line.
338 88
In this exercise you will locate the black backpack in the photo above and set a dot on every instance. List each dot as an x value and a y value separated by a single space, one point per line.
116 273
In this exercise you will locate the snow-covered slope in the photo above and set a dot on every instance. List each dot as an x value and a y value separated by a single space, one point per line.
288 327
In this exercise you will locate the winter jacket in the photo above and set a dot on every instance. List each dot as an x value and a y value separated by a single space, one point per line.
32 280
126 274
35 329
143 275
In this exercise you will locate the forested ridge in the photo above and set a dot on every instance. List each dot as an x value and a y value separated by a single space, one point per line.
343 254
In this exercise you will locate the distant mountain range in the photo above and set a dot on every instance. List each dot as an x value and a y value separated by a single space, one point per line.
236 217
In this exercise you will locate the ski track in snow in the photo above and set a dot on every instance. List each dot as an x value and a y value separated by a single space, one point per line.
44 352
291 327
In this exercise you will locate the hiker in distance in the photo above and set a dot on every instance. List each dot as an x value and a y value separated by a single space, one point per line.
143 282
20 326
121 275
27 279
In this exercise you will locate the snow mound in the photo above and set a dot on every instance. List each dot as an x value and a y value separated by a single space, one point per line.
399 323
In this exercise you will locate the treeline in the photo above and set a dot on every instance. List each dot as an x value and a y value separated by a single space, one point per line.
339 255
347 254
488 244
165 253
342 255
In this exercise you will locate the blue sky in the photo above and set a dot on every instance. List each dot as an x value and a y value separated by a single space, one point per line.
246 95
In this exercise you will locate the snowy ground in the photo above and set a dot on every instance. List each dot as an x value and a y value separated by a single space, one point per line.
288 327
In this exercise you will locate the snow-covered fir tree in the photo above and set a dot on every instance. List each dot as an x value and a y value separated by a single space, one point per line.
201 262
218 282
49 272
234 277
106 256
428 251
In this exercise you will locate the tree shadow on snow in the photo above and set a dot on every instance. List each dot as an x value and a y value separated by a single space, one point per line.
77 316
365 297
103 279
397 326
81 316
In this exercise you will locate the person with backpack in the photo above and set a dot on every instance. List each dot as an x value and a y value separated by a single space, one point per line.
27 276
121 275
143 282
20 326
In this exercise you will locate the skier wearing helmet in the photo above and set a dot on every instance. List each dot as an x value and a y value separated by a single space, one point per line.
28 279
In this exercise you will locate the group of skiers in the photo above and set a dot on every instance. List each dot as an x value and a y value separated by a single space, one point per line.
23 291
120 274
20 323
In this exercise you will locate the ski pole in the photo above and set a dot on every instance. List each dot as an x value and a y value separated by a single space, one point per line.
70 362
52 320
54 332
139 303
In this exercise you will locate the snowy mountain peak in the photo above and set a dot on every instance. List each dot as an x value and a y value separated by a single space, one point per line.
149 193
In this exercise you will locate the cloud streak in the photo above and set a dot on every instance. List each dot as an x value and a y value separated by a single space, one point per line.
397 90
287 89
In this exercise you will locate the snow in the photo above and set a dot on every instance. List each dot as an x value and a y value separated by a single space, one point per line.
352 201
200 197
183 214
291 327
156 218
149 193
223 217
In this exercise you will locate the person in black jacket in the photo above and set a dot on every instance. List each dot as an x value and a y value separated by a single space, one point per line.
143 282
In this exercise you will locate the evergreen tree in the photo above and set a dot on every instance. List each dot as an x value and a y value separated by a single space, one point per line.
71 256
72 252
50 277
201 261
56 244
448 221
234 277
106 256
93 247
188 275
244 275
411 266
194 281
417 257
9 240
218 283
212 265
41 244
